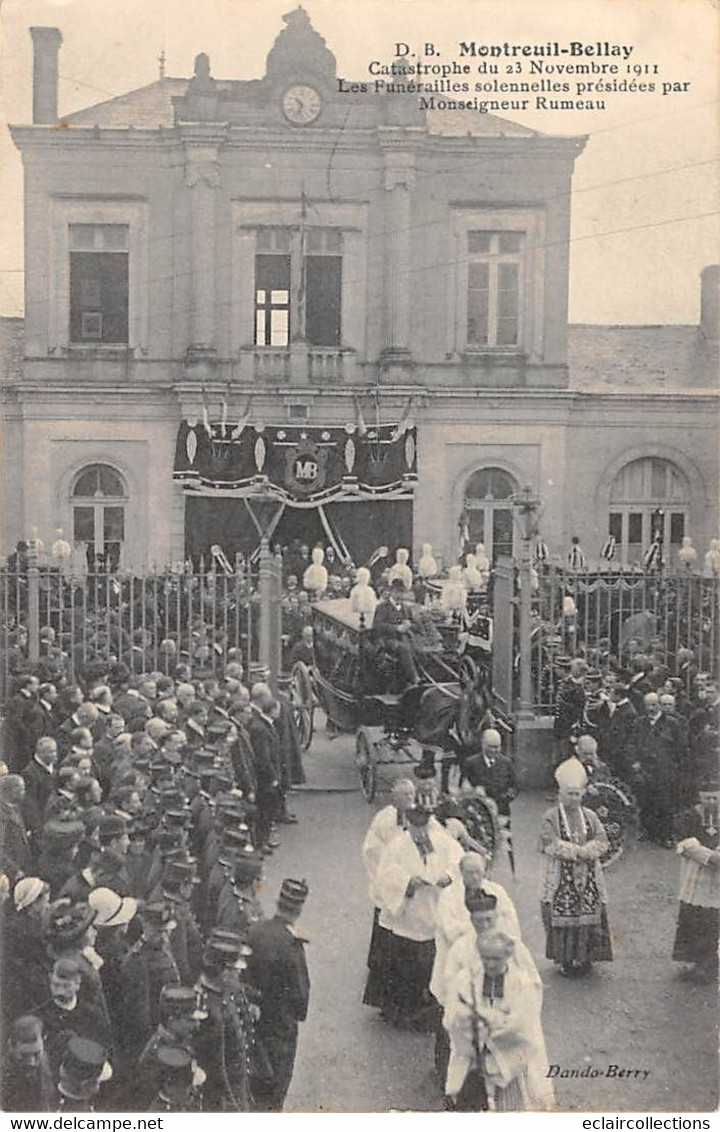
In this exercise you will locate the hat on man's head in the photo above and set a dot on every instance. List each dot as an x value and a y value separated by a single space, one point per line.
221 953
111 910
237 939
177 1070
293 894
171 798
180 872
181 1002
156 912
248 866
571 775
171 840
111 826
63 831
67 923
478 900
27 891
204 759
177 819
84 1067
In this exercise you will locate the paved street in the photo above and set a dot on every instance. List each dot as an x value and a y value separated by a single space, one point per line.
634 1013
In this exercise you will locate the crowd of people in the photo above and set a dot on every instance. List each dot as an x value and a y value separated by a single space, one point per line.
139 970
446 950
656 728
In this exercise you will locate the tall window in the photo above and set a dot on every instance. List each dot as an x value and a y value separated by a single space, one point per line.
99 288
298 283
488 503
494 288
99 499
640 489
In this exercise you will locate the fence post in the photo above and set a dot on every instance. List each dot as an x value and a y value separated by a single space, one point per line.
525 710
33 576
269 628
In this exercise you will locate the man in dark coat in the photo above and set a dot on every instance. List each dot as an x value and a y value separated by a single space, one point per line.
17 734
113 915
110 869
658 760
493 770
148 967
614 721
391 628
266 754
278 969
42 718
570 705
15 852
27 1083
40 781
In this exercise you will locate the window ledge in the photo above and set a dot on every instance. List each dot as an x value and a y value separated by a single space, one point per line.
98 350
493 353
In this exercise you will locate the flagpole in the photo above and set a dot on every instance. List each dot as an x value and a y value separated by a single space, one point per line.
301 301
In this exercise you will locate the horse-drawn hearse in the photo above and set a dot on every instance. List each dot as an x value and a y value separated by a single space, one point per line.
355 680
430 727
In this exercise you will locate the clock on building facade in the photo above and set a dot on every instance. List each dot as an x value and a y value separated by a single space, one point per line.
301 104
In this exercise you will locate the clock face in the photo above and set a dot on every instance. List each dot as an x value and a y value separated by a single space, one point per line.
301 104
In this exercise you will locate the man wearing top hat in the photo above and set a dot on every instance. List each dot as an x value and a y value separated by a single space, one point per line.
391 627
278 969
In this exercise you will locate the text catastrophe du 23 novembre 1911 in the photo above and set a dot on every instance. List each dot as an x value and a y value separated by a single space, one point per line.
606 63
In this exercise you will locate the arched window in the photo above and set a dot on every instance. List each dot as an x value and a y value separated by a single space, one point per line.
640 488
98 501
489 508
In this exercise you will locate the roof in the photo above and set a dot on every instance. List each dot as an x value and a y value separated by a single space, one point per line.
151 107
147 108
633 358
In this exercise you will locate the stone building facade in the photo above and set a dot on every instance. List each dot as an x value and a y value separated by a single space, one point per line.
280 261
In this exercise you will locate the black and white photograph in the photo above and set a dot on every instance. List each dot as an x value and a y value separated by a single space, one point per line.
359 558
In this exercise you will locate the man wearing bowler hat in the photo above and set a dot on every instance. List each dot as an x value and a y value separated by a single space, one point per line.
278 969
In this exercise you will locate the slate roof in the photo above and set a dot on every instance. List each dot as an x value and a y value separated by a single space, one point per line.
150 107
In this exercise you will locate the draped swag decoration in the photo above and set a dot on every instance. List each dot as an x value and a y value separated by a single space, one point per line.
296 464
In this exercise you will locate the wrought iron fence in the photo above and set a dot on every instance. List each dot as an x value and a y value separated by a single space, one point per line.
608 617
63 623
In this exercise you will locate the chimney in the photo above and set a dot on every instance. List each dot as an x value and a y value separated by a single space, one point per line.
46 46
710 302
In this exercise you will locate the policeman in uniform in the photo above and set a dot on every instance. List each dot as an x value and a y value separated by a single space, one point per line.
278 969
